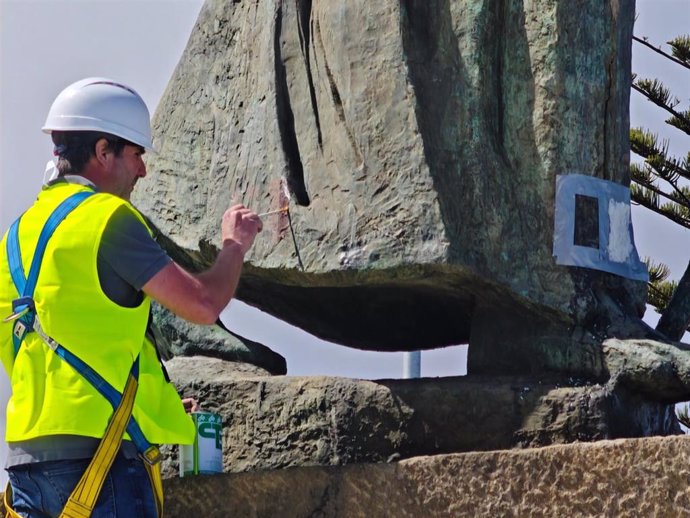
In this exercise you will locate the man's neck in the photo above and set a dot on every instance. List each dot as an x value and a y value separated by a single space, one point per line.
73 179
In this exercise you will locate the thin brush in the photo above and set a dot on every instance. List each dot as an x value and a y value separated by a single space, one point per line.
277 211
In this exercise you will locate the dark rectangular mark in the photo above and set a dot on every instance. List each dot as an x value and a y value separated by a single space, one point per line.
586 221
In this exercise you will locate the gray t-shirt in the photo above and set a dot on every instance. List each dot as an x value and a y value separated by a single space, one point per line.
128 257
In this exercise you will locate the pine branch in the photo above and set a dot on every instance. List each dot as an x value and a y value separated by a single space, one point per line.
659 51
642 196
680 48
658 272
649 197
658 93
660 290
650 192
645 195
644 144
676 210
641 175
647 177
659 294
645 192
655 92
682 122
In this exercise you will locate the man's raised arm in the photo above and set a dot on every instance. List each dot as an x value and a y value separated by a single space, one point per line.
201 297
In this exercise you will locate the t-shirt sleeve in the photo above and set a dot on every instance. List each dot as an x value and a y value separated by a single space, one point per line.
128 248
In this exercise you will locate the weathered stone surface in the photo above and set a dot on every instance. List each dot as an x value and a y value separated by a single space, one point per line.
656 369
191 375
177 337
191 372
275 422
625 478
420 141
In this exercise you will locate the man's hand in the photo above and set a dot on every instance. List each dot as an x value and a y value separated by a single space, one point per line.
191 405
200 297
240 225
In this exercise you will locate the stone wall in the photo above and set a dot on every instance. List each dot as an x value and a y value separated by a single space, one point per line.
274 422
622 478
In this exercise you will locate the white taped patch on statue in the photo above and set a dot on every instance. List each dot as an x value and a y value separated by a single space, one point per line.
620 246
593 227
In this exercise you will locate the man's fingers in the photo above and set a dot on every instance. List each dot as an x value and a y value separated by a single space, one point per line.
246 214
191 405
241 225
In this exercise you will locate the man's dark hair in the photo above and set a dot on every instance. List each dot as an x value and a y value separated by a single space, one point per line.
75 148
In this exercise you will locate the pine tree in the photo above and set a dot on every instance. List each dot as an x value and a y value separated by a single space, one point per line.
662 184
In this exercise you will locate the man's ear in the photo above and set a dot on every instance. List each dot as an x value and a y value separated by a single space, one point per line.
102 151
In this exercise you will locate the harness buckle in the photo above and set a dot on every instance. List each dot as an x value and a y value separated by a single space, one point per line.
152 455
23 303
16 314
20 307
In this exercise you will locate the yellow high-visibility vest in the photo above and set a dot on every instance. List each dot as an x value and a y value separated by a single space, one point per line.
48 396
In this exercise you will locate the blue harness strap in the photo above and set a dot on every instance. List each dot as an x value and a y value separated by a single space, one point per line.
26 286
14 257
54 220
112 395
23 309
24 314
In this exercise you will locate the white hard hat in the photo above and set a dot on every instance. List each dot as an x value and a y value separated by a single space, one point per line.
99 104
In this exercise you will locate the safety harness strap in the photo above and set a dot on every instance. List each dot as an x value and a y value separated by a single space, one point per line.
149 452
84 496
81 502
7 501
54 220
23 309
26 285
14 257
154 471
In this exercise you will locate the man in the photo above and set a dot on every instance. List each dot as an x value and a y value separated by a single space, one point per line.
91 301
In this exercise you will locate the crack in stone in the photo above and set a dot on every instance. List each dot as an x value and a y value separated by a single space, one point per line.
286 119
337 101
304 8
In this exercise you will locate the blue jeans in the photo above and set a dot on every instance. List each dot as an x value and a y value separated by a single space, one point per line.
40 490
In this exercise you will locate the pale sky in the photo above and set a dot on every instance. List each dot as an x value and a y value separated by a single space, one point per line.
47 44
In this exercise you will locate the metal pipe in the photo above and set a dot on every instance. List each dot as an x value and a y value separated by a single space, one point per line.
412 364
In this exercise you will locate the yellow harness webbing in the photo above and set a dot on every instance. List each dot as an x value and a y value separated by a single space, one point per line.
81 502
